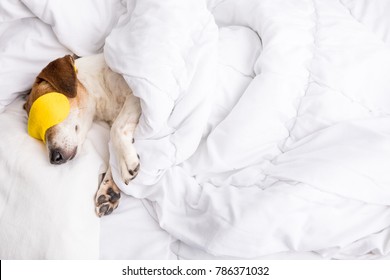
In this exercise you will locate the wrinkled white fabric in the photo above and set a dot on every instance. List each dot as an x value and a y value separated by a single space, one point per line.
293 161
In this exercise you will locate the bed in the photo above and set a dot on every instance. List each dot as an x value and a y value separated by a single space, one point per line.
265 130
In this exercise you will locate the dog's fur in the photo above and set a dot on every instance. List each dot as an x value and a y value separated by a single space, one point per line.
94 92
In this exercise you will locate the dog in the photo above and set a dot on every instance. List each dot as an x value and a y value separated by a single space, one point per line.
94 92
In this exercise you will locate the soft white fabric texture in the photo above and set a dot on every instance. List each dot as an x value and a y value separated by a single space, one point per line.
26 45
12 10
373 14
298 163
131 233
269 136
81 26
172 45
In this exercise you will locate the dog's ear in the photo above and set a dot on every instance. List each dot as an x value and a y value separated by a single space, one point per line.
61 75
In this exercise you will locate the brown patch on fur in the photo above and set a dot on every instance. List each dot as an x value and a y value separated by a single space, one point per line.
61 74
41 87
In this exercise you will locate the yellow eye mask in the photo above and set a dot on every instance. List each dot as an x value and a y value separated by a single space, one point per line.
48 110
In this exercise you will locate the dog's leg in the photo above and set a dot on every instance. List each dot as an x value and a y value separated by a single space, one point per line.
122 132
107 196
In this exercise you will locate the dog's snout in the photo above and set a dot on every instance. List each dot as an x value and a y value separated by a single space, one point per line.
56 157
60 156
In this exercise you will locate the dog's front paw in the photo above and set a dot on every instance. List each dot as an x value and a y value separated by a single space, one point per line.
107 197
129 167
128 159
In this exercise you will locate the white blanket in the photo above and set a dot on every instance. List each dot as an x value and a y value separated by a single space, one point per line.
268 134
296 161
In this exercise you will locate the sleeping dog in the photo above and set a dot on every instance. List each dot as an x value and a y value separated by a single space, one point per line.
85 89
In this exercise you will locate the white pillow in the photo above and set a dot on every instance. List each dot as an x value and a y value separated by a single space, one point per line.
81 26
28 43
26 46
12 10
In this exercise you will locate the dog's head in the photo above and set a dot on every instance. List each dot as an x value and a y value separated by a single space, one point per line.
60 77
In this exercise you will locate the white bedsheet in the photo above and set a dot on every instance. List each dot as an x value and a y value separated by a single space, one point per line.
265 128
47 212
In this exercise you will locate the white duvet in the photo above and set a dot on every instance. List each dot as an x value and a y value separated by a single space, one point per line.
265 124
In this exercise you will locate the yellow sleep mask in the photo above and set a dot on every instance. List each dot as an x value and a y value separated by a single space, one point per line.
48 110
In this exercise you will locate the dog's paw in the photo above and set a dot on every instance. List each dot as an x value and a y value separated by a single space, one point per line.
128 159
129 168
107 197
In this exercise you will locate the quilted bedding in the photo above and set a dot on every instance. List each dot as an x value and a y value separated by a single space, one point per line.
265 124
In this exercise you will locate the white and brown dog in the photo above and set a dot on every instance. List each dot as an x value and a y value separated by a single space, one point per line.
94 92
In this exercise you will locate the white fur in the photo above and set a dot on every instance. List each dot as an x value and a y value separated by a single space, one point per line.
109 99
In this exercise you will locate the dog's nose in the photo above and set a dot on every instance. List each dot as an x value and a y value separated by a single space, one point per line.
56 157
